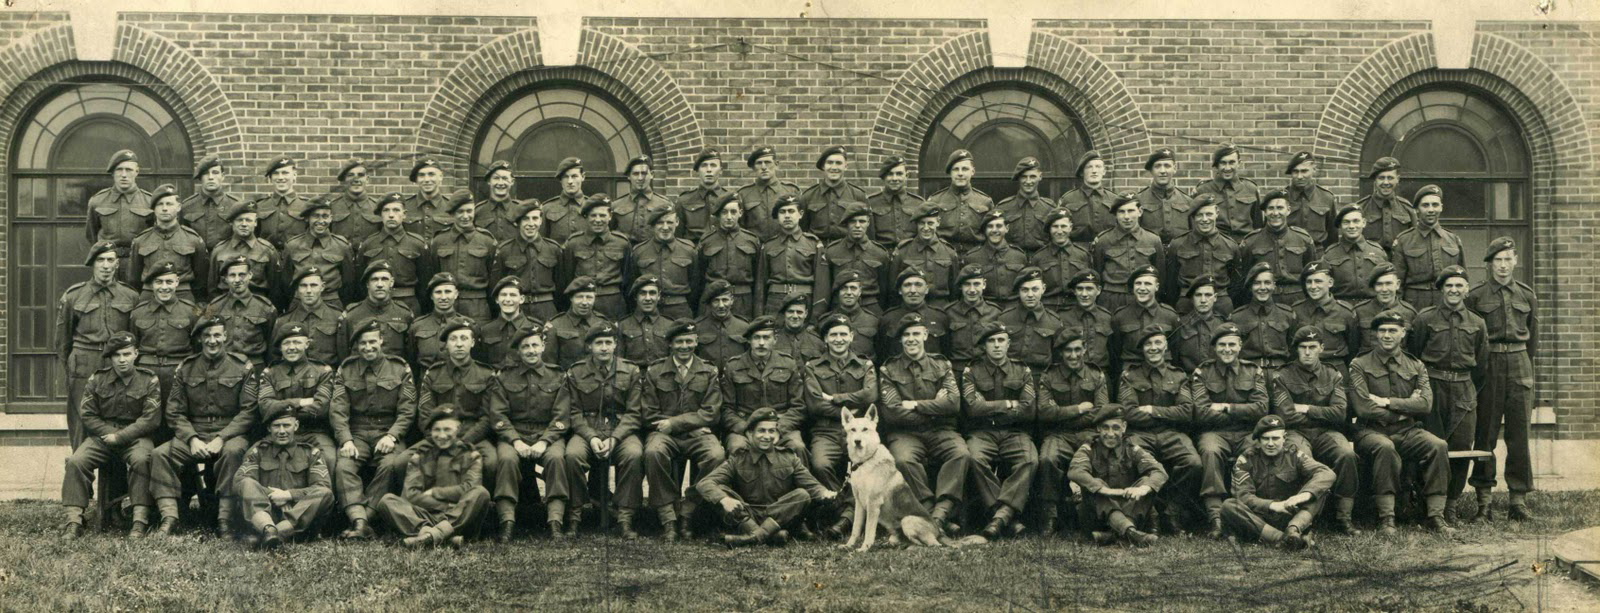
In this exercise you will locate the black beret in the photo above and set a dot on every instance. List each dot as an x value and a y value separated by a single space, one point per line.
956 156
1273 194
317 204
1201 201
206 323
1451 271
509 281
458 199
277 163
496 166
853 210
289 331
443 411
1266 424
594 201
377 207
1338 218
990 216
1226 329
1159 154
708 153
1066 337
760 415
1106 416
375 266
785 200
1390 317
534 332
348 166
604 330
1150 331
969 272
1199 282
443 278
583 283
1083 276
239 209
722 203
422 163
457 324
531 205
372 325
1427 190
656 215
833 322
119 157
160 270
715 289
1298 159
909 320
643 282
993 328
927 210
1031 273
205 166
566 165
1379 271
1223 151
1024 165
161 192
679 328
1307 334
822 158
98 248
636 161
238 260
272 415
1383 164
1057 215
844 278
800 299
1143 271
889 165
1315 268
1497 245
1119 200
909 272
764 322
117 342
1083 160
1256 270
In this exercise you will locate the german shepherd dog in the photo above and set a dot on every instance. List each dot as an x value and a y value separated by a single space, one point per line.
882 495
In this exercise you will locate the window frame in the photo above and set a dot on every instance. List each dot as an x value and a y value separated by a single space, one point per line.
1058 179
541 184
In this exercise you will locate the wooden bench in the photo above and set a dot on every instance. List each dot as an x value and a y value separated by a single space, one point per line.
1476 455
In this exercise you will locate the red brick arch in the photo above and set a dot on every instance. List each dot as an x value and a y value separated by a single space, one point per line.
908 109
204 110
444 132
1345 119
1113 117
671 127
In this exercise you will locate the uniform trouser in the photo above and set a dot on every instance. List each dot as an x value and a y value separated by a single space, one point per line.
559 478
914 451
1506 397
1335 450
1421 298
663 455
443 518
1384 453
785 510
1016 450
1055 456
1098 509
93 454
543 310
303 512
391 468
1455 419
80 364
579 459
173 456
1217 450
788 440
1177 454
612 306
628 456
830 465
491 458
476 307
1243 520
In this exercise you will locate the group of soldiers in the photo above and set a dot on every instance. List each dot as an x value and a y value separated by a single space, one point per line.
1230 358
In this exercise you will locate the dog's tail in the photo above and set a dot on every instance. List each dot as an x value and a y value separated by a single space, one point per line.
971 539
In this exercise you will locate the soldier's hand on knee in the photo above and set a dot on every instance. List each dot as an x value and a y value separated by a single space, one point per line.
280 497
109 439
731 505
197 447
347 450
1138 491
828 495
385 445
539 449
214 447
524 450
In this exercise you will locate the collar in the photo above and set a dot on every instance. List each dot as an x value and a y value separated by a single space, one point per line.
1424 230
677 365
1496 285
1091 192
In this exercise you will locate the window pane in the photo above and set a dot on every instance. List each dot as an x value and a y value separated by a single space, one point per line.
1442 149
90 143
998 147
999 125
541 149
540 128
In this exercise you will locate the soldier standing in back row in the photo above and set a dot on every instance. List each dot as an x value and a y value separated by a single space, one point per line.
563 214
497 213
1387 213
699 204
1091 202
825 203
632 211
1509 309
1166 208
1424 251
1311 206
894 208
88 315
1236 196
120 212
961 206
1026 212
425 209
353 214
282 212
207 210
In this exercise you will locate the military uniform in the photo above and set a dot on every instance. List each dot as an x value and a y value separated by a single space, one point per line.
1164 212
689 397
597 401
774 485
695 205
1091 212
497 345
394 318
322 327
1321 429
672 263
1128 321
1059 263
644 336
1260 480
630 214
1341 329
423 345
1096 467
1238 202
1311 209
961 215
892 215
379 400
283 385
937 261
128 406
1386 435
966 320
1367 310
825 206
866 259
1162 430
1288 249
118 217
266 263
403 250
443 495
889 325
465 254
281 217
1033 335
1191 340
1351 263
498 217
790 265
178 246
531 417
163 333
566 346
866 324
426 214
1001 264
1194 255
249 321
926 434
1094 323
1420 255
86 317
997 434
608 259
746 386
299 468
1386 217
353 216
211 399
1223 435
852 381
802 344
1454 344
331 256
1117 255
1510 313
731 257
1267 327
1064 426
537 263
480 401
207 214
1026 220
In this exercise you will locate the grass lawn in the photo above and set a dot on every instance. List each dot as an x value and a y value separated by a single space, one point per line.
1484 567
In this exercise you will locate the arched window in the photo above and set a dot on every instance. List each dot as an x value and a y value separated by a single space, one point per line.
1466 144
537 128
1000 124
58 160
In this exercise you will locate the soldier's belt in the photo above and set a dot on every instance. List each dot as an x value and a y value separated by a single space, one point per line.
1119 288
89 346
403 292
208 419
542 297
473 293
788 288
1508 347
1270 362
148 359
1457 376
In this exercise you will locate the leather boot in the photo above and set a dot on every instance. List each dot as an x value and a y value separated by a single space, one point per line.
776 535
1102 537
270 538
1385 506
1484 514
625 521
506 527
422 539
668 517
360 530
225 508
73 531
1292 539
1139 538
1341 521
556 532
1519 508
1002 516
574 517
749 534
167 526
1270 535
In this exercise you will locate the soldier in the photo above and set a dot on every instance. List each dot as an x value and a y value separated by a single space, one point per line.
644 332
1192 337
169 242
914 288
1237 196
894 208
1385 285
282 212
394 319
762 487
1310 396
283 484
968 317
1059 258
960 206
1105 469
1277 489
1393 397
1203 252
719 329
632 211
1351 257
163 326
1073 398
1341 339
249 317
856 253
1091 202
122 211
791 263
121 410
471 387
839 380
1228 395
1026 212
510 321
1156 402
1123 249
424 343
680 404
1265 323
353 214
1090 319
266 263
532 433
497 214
1033 328
921 405
329 254
1311 206
464 250
444 495
1145 311
1001 262
533 258
401 248
760 378
864 322
568 330
371 419
1509 310
669 260
729 254
1453 342
321 321
794 335
211 411
1000 413
206 210
929 253
1426 250
1387 213
598 392
603 255
825 203
1165 207
425 210
88 315
1286 247
697 204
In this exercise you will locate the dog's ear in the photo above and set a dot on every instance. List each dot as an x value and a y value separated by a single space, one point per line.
845 417
872 414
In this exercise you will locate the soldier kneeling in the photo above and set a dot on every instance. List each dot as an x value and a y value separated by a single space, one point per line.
444 491
283 484
762 487
1117 478
1277 489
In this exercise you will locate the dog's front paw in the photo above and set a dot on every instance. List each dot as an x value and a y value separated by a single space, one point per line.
847 546
863 548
